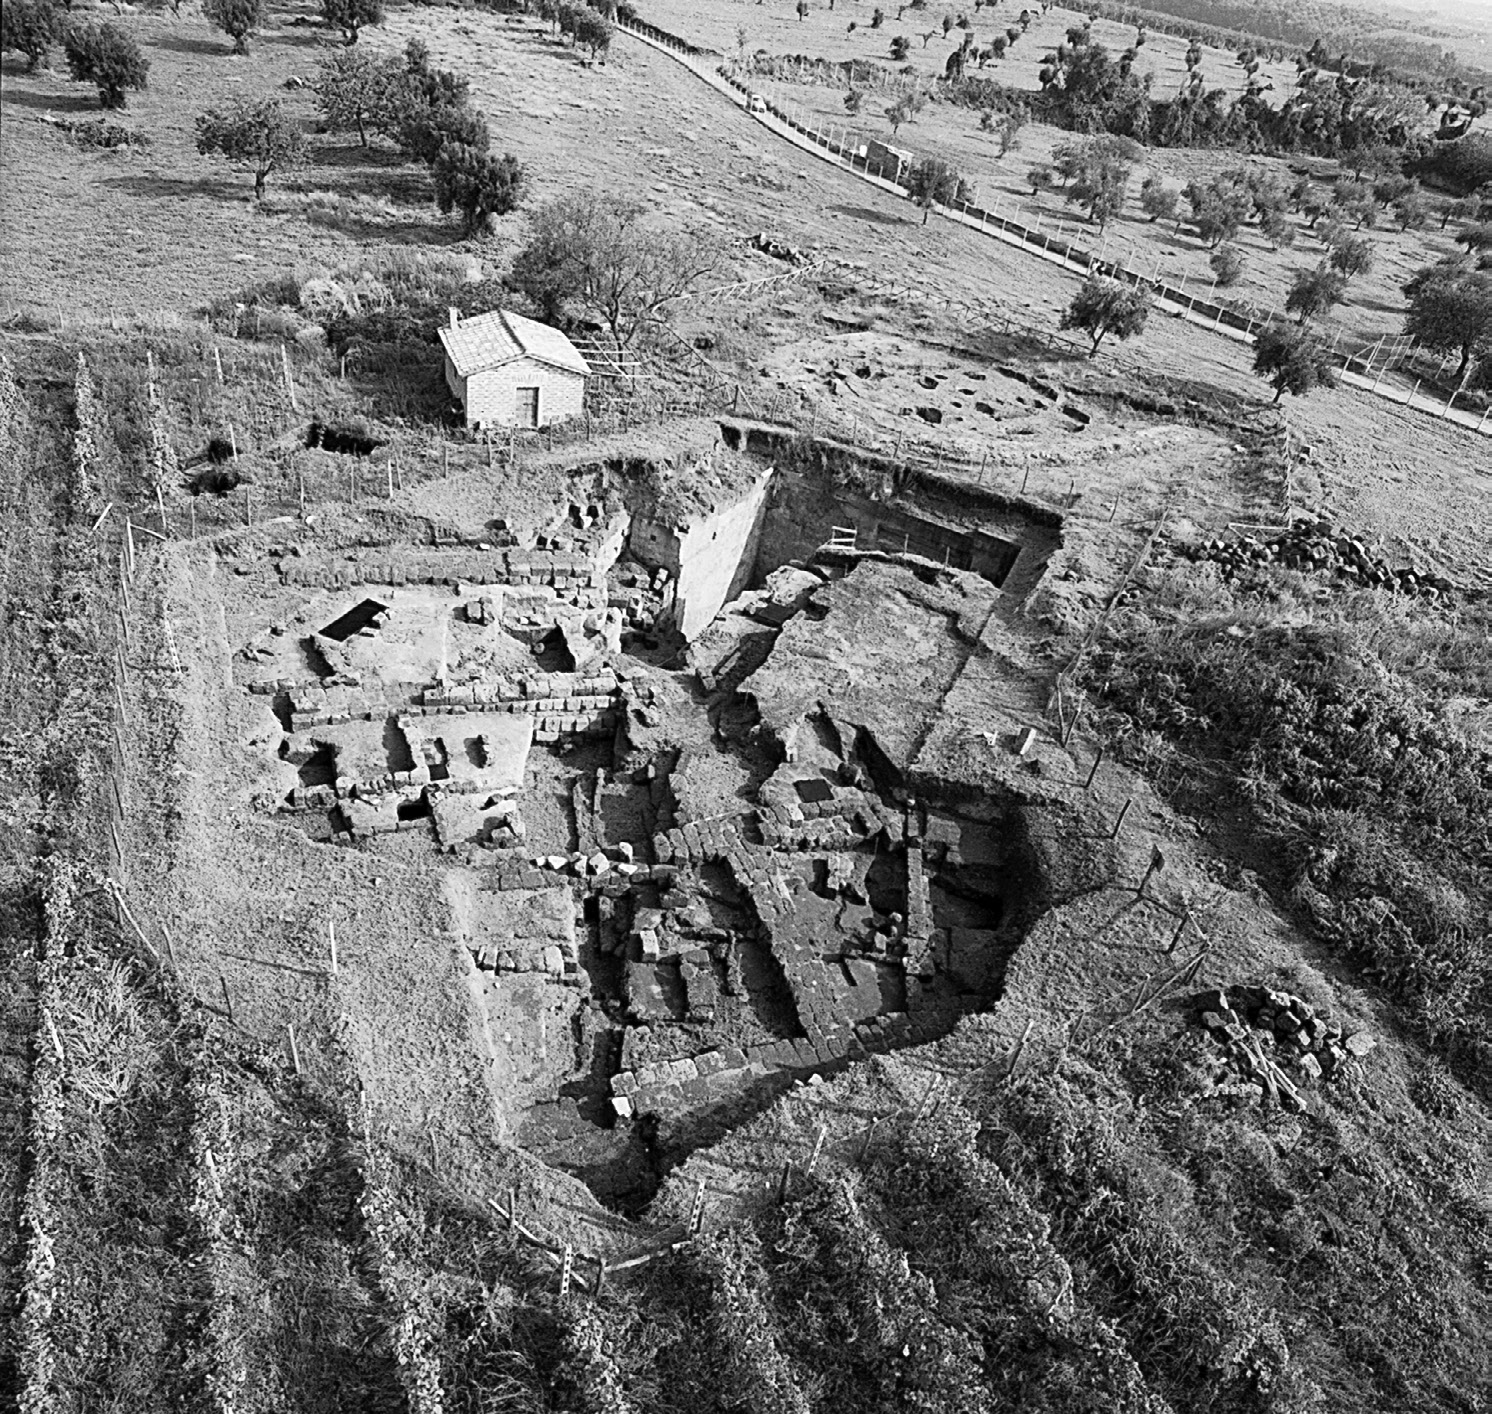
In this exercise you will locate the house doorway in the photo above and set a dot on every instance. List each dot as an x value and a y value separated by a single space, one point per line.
527 410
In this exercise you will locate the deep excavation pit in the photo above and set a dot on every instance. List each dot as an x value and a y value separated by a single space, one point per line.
687 874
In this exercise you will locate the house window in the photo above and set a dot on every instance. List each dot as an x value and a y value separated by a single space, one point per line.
527 413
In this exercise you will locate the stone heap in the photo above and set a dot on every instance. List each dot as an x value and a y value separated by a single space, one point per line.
637 592
1267 1032
1313 545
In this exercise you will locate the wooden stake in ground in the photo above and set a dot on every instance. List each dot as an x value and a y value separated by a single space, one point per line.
217 359
331 933
294 1049
697 1209
818 1146
1157 863
289 381
227 996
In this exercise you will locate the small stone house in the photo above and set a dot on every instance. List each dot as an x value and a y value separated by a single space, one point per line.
508 371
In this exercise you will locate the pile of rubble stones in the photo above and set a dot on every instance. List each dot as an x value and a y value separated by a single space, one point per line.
1271 1036
1313 545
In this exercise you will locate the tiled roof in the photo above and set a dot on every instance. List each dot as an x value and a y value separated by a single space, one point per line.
487 340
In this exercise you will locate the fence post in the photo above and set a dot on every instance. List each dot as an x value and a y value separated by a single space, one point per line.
289 381
818 1145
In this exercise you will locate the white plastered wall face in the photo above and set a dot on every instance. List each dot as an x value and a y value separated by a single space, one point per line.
492 396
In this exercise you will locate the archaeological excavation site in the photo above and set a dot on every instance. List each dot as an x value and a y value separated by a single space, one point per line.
705 785
711 712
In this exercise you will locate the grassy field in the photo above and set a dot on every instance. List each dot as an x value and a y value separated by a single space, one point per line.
1374 304
740 28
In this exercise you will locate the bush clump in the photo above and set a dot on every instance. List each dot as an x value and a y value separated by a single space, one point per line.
108 56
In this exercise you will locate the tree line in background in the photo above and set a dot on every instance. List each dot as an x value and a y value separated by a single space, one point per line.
1450 302
1355 38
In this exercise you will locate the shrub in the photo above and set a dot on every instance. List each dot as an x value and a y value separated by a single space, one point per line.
30 27
238 19
350 16
1434 1090
477 184
1227 264
426 108
900 47
109 57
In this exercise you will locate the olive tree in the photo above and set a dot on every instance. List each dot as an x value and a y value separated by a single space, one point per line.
353 89
1450 310
350 16
238 19
1158 202
107 56
931 183
30 27
604 257
260 134
1293 359
1102 307
1313 292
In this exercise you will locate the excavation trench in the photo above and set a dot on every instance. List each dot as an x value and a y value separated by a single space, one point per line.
674 908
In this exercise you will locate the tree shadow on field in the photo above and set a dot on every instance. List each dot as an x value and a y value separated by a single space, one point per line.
234 189
1380 306
864 213
537 42
298 36
216 46
80 100
353 156
400 186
